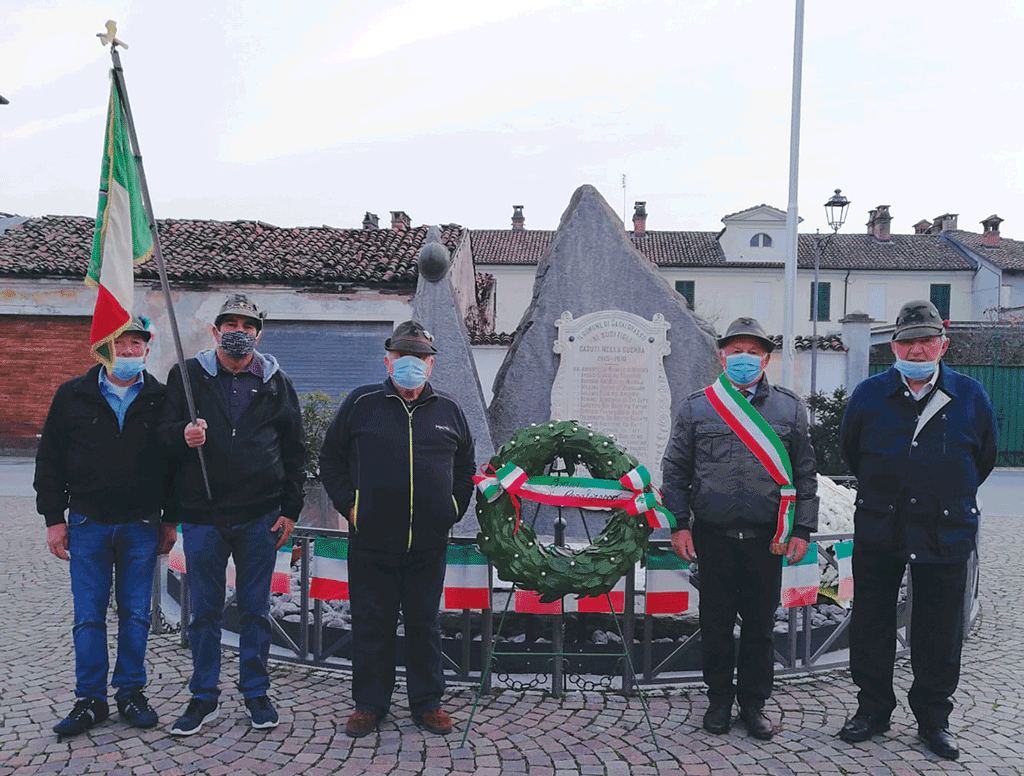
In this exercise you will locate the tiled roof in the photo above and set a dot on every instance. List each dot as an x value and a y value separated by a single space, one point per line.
702 249
491 338
1008 254
59 246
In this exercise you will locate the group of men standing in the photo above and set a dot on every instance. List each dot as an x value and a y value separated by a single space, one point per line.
121 463
920 438
118 454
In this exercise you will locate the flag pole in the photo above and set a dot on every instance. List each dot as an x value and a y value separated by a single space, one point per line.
122 93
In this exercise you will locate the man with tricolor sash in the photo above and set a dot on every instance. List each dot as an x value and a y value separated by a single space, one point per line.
99 462
397 461
920 438
739 475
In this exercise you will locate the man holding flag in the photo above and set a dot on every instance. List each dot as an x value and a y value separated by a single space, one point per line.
249 426
397 461
740 461
99 461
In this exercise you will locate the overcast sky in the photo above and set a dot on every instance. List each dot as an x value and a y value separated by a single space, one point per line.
313 112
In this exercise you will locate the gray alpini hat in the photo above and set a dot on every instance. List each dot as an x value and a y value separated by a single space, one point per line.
919 318
240 304
142 325
746 327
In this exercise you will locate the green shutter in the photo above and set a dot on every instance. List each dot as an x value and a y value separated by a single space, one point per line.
685 288
940 298
824 301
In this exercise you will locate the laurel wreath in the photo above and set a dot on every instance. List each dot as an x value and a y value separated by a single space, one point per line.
513 547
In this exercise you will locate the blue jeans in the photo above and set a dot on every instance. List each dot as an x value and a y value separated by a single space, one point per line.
96 550
381 583
207 548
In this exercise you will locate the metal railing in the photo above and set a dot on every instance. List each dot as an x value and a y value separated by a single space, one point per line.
308 646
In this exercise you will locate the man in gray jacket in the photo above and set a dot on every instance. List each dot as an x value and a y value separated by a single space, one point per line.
739 475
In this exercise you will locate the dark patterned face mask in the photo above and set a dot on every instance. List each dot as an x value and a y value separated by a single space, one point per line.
237 344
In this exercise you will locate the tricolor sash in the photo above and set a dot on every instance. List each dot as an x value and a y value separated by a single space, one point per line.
754 431
632 492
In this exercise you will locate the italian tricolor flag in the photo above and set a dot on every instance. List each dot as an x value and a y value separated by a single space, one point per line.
844 557
669 590
122 236
467 584
800 580
528 602
329 570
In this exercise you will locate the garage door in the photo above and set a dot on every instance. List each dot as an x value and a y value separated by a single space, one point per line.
329 356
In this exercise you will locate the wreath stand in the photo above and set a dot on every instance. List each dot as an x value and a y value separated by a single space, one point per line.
611 567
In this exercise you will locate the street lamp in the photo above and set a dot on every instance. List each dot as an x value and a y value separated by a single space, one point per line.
835 214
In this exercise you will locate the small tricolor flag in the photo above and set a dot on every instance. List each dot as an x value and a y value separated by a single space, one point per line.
121 239
467 582
600 603
844 557
528 602
800 580
176 558
668 586
281 582
329 570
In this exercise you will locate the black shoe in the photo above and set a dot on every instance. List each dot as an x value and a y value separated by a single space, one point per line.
86 713
261 711
862 726
718 718
940 741
197 714
757 722
136 711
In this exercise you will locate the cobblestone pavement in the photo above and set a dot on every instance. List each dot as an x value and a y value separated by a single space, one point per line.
513 732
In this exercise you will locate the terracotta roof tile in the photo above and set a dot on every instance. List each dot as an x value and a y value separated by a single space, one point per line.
59 246
1008 254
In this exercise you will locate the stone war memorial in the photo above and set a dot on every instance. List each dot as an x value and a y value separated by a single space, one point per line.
605 341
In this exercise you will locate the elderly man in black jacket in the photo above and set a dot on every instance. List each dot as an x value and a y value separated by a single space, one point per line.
740 460
99 461
249 427
397 461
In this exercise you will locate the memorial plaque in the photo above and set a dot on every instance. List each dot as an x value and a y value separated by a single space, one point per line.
611 374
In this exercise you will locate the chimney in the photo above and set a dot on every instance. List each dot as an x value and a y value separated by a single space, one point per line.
878 223
518 219
640 218
944 223
400 221
990 237
922 226
370 221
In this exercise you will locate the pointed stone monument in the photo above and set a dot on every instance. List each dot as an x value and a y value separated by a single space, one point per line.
608 333
454 370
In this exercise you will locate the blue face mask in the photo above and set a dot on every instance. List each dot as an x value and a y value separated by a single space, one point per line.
916 370
409 372
128 368
743 368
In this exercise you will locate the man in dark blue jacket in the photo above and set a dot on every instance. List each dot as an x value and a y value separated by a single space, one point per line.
398 461
249 427
920 438
99 461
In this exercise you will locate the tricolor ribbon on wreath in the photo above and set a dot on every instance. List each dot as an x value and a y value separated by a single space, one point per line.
632 492
759 437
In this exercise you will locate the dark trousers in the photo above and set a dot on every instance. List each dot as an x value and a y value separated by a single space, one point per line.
379 584
737 576
936 630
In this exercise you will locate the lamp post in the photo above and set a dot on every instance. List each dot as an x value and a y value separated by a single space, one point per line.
835 213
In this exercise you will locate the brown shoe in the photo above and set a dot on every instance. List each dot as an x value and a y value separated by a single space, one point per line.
436 721
361 723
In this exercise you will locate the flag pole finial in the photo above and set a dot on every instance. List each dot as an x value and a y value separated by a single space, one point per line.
109 37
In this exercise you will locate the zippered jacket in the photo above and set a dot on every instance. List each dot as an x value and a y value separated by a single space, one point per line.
254 467
918 471
709 471
406 469
87 464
